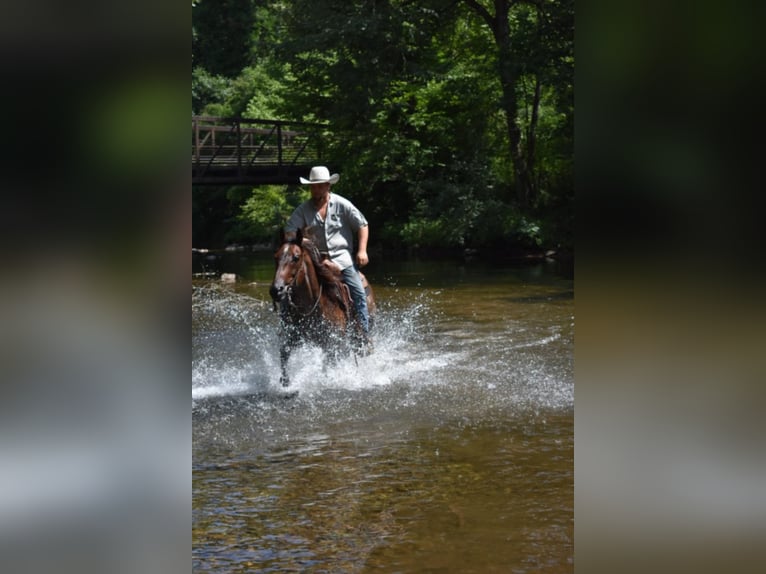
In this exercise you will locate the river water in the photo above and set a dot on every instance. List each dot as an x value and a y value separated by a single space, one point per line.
449 449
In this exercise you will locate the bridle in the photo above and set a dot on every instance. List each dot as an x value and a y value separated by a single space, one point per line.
293 283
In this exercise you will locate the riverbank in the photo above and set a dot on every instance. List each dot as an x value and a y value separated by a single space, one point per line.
507 253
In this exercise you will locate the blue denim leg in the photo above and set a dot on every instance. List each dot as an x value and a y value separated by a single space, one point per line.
354 282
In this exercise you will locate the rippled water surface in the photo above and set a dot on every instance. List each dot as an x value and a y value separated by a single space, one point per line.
449 449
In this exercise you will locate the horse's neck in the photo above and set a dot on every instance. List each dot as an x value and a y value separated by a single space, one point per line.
312 280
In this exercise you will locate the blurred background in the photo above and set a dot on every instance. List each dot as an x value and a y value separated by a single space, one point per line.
95 431
670 318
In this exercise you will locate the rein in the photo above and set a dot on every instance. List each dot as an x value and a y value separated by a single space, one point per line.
293 283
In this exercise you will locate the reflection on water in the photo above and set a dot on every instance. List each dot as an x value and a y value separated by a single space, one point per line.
449 449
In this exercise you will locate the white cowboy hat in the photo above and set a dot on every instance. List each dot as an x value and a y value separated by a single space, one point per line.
320 174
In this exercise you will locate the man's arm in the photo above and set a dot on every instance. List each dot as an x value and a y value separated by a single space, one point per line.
294 223
361 255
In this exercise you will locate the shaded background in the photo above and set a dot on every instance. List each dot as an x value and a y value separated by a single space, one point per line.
669 318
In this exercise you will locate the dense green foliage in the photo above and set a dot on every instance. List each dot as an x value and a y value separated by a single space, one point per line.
452 119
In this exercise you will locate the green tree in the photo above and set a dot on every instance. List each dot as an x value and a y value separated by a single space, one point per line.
264 213
530 36
222 35
448 128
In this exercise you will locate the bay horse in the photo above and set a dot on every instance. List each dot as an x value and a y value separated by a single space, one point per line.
313 302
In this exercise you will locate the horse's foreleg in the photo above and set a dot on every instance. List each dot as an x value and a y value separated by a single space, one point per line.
284 356
287 342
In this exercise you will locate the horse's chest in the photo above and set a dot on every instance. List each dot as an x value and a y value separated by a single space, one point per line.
316 326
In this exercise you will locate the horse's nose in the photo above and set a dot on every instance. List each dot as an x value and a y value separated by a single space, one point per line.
276 291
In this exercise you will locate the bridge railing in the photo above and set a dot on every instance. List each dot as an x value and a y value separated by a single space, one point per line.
236 149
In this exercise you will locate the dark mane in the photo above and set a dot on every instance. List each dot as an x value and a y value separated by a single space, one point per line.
327 276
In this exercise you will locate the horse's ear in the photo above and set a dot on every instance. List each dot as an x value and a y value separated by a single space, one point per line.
299 236
282 236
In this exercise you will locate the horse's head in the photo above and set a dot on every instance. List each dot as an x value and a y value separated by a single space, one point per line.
288 259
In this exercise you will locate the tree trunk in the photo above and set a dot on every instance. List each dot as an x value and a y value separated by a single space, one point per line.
500 26
521 169
532 132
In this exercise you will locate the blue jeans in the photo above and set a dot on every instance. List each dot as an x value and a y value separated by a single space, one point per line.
351 278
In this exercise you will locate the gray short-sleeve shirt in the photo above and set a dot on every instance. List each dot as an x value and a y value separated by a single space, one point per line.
334 235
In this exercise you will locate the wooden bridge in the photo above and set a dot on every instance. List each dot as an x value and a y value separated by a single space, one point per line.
240 151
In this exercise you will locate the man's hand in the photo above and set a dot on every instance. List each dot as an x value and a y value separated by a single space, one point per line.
361 254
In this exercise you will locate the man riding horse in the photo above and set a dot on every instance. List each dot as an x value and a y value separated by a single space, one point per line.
330 222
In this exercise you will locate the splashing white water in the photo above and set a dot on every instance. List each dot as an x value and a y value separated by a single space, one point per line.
235 353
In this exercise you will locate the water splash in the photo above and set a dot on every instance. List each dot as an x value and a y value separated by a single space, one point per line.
452 365
235 350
